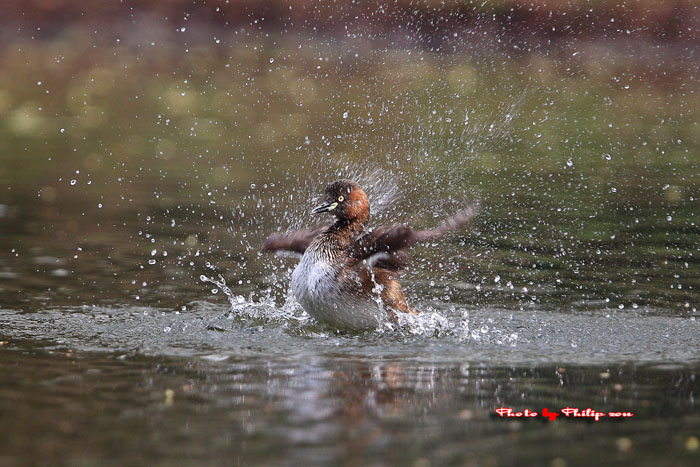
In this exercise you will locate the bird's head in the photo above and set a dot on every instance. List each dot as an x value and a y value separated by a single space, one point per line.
346 200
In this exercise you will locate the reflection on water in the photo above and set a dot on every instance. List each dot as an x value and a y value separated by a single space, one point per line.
338 408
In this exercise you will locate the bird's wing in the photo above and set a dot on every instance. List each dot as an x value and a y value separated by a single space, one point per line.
295 242
458 220
384 246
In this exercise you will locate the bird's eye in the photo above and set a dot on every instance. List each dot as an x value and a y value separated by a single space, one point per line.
341 199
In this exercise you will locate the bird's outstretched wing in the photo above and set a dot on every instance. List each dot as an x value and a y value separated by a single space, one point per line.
295 242
385 245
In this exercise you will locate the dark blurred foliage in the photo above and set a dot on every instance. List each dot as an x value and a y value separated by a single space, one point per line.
429 22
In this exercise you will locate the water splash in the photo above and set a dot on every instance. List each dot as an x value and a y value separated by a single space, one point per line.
430 323
257 308
424 176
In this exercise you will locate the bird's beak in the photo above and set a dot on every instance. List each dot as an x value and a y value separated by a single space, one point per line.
324 207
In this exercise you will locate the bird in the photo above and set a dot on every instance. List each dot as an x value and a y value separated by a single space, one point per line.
348 275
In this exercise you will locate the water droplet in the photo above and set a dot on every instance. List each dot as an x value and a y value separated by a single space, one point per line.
73 182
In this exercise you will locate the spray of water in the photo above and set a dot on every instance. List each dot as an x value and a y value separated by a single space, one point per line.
262 307
429 323
433 174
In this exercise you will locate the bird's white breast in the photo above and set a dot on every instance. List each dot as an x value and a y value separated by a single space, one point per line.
316 286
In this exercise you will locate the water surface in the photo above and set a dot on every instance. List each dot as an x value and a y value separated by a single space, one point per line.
131 169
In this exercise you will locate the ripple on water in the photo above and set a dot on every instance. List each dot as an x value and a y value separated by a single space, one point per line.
256 327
